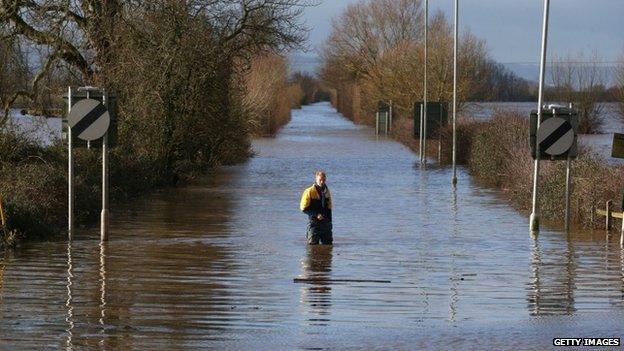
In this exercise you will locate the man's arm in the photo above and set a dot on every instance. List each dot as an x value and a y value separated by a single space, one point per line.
305 205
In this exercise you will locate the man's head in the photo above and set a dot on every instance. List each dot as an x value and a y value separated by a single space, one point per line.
320 178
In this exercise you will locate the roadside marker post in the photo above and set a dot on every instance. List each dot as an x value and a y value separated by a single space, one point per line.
556 139
88 120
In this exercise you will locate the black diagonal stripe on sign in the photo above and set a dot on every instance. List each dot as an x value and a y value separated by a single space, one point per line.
555 135
89 119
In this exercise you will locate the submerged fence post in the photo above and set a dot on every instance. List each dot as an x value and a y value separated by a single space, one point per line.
387 120
567 195
390 117
2 219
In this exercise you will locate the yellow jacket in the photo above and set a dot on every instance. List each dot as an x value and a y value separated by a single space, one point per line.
311 201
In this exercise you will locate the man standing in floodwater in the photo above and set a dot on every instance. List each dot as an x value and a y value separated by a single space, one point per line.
316 202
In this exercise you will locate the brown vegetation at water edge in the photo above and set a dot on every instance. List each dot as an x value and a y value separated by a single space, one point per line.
496 152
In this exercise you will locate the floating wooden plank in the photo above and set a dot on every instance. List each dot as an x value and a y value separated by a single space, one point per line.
325 280
613 214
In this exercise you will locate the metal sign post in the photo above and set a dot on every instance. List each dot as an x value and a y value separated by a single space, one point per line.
70 171
104 216
423 147
89 120
534 219
454 178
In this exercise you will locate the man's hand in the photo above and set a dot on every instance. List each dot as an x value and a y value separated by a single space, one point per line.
320 217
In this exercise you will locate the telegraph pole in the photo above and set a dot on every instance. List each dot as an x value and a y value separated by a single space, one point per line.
534 220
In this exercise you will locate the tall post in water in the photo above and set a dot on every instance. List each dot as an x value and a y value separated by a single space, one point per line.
70 171
454 179
534 220
423 147
104 214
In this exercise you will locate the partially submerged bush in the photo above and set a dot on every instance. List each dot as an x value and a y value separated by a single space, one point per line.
498 155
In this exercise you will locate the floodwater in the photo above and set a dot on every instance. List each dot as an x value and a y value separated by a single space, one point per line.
415 264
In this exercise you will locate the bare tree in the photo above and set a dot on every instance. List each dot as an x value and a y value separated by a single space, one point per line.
84 34
14 70
619 84
376 49
579 80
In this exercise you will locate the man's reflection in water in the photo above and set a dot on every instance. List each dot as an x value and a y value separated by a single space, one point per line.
316 294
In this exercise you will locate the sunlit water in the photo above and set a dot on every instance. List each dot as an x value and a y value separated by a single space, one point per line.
211 266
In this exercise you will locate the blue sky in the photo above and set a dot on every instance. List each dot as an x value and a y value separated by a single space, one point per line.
512 28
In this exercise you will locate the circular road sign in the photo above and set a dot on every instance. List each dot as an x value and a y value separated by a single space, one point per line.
555 136
88 119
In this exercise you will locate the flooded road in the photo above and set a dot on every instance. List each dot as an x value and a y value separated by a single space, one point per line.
211 266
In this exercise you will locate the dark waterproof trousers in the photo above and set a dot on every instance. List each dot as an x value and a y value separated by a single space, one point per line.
320 232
